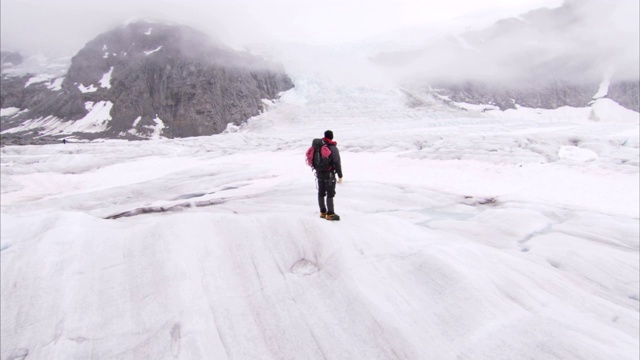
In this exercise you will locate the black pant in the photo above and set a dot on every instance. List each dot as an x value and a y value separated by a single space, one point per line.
326 187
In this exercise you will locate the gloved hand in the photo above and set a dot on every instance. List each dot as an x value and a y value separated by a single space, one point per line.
340 181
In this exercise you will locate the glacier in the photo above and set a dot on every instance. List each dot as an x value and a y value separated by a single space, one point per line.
464 235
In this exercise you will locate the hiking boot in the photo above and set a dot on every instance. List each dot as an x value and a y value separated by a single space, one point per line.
332 217
323 215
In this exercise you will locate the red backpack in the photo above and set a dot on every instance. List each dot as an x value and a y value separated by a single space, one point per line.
318 156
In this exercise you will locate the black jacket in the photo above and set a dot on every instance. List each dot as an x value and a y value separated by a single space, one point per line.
335 159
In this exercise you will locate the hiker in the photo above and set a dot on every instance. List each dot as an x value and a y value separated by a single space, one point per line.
64 141
327 179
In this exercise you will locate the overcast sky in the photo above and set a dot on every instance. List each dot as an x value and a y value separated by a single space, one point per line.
31 24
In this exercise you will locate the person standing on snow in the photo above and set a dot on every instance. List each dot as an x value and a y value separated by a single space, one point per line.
327 179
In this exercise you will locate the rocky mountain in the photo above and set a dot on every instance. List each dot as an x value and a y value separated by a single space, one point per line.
143 80
546 58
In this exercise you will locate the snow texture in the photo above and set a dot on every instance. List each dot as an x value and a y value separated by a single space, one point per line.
152 51
497 235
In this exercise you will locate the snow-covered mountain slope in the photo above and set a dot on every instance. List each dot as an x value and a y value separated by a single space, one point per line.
495 235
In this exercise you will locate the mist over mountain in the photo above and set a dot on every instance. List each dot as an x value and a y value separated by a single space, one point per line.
144 80
10 58
545 58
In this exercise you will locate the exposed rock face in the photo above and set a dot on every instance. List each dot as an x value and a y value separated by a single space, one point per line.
545 96
8 140
11 91
145 79
39 100
626 93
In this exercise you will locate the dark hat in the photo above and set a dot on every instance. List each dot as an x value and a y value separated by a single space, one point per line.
328 134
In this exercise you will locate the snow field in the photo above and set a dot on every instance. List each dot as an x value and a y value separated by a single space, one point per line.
474 237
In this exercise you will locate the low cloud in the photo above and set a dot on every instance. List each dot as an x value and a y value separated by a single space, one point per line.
579 41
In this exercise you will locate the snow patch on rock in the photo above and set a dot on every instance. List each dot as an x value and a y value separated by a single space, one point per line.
10 111
147 53
37 79
97 120
156 129
87 89
105 81
56 84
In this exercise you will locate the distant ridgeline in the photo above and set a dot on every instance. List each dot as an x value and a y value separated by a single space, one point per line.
143 80
9 58
546 58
